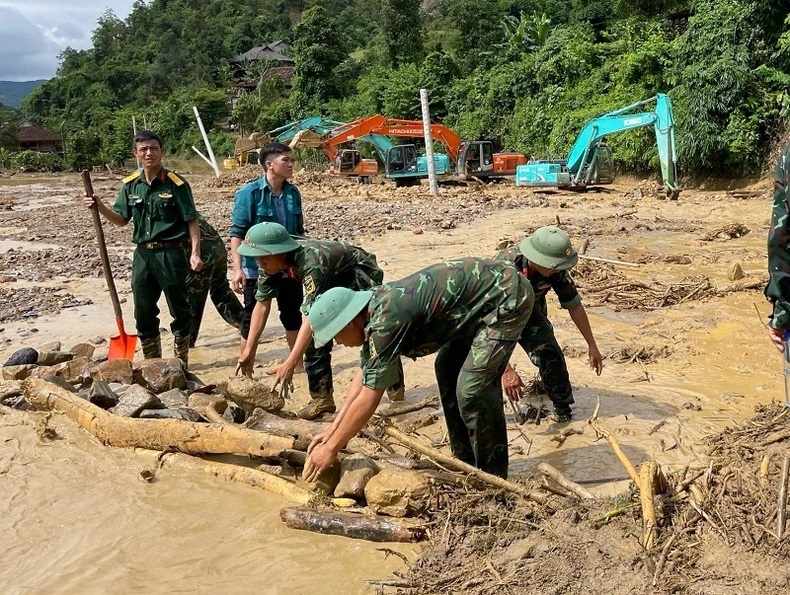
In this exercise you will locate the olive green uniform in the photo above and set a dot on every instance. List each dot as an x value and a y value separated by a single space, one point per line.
778 289
318 266
159 212
212 280
538 338
472 311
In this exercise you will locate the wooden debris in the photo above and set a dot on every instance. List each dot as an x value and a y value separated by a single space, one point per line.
564 482
401 408
348 524
153 434
647 483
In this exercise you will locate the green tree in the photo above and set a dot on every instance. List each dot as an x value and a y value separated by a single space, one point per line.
401 30
9 128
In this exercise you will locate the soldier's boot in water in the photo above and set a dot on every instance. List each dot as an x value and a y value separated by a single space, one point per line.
318 404
152 347
181 348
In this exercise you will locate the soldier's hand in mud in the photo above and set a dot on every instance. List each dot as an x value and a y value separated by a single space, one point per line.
195 262
777 335
285 372
512 384
596 360
237 281
245 364
321 458
320 438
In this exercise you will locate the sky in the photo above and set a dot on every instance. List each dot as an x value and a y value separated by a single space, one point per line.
34 32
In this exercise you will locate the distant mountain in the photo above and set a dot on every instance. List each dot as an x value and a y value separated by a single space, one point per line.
12 93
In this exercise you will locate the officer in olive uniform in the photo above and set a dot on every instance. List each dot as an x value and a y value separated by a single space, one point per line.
318 266
472 311
212 280
545 258
161 206
778 289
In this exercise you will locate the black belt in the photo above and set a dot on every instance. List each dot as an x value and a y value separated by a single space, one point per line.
163 245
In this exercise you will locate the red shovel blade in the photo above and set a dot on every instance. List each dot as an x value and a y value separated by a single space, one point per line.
122 346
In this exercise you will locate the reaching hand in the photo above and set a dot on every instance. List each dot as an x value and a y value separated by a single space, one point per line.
245 364
512 384
595 359
285 372
777 336
321 458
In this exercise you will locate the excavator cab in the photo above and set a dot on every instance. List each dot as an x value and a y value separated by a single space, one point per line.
600 169
401 159
347 161
475 158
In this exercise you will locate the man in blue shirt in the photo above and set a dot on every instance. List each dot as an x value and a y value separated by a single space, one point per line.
270 198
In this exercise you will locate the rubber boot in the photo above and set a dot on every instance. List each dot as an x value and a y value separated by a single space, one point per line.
318 404
152 348
181 348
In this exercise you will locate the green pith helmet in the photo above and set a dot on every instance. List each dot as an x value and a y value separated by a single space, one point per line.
333 310
265 239
550 247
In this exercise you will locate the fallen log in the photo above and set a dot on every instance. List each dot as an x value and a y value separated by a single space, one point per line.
265 421
355 526
246 475
453 463
618 452
564 482
153 434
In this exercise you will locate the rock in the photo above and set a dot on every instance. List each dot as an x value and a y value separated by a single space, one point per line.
136 400
26 355
52 358
160 414
173 399
116 370
18 372
398 492
10 391
83 349
160 375
51 346
355 472
200 401
637 193
417 231
190 414
102 395
735 272
75 371
58 381
326 482
250 393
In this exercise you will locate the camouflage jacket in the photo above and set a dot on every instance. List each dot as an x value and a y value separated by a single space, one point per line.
560 281
212 246
321 265
416 315
778 289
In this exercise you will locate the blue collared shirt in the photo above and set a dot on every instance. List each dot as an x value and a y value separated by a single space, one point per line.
255 203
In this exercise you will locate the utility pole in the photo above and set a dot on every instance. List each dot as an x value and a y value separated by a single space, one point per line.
426 126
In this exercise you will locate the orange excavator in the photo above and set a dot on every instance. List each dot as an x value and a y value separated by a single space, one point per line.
470 159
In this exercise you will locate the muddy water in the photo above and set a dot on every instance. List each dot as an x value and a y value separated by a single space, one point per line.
79 519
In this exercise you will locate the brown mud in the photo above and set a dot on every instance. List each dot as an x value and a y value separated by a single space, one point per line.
686 356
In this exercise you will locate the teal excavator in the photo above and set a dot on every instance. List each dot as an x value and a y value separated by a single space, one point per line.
590 160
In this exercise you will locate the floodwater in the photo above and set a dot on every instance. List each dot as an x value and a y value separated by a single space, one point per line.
77 518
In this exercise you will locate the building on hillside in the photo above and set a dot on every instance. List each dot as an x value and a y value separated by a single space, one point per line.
260 63
36 138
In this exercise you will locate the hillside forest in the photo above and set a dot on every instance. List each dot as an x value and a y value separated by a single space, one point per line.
526 74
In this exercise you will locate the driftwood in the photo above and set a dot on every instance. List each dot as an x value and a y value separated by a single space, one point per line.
265 421
453 463
647 480
356 526
781 508
564 482
401 408
153 434
245 475
603 433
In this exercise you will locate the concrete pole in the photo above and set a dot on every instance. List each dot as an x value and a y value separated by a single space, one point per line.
205 140
426 126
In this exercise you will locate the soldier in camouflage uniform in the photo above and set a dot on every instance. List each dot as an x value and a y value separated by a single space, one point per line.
318 266
472 311
160 204
545 258
778 289
212 280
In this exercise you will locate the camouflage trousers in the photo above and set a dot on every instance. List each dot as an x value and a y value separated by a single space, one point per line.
541 345
469 374
212 280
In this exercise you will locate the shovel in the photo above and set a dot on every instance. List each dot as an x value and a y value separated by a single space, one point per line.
122 346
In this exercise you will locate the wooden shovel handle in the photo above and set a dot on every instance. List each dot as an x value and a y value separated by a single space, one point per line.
105 259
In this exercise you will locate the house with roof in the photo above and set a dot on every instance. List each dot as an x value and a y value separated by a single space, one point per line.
36 138
260 63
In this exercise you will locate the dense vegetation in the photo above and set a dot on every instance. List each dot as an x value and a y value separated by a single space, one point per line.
524 73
